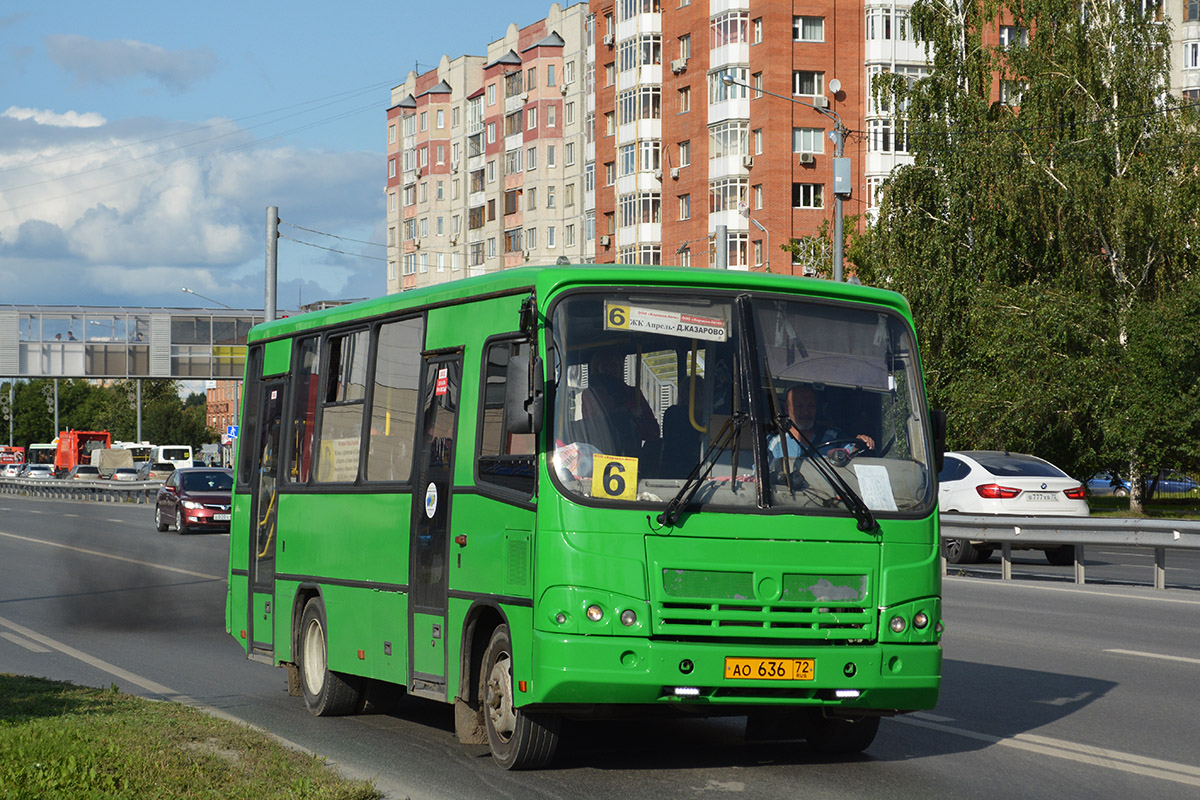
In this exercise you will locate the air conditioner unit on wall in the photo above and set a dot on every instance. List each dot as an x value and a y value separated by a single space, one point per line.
807 158
747 161
658 174
674 173
608 40
821 101
678 65
604 241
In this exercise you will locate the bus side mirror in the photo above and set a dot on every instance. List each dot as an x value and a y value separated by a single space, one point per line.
524 390
938 418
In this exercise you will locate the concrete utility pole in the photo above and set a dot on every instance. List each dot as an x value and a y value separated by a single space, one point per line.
722 247
272 261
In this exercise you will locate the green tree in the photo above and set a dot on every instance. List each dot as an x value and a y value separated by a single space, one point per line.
1047 243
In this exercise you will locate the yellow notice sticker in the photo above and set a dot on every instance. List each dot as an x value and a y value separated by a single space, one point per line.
614 477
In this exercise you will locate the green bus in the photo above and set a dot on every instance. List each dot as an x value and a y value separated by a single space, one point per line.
584 491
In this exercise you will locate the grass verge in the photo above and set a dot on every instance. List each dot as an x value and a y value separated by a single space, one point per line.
60 740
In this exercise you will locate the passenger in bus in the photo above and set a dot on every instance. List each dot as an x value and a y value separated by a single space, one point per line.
801 405
616 416
681 440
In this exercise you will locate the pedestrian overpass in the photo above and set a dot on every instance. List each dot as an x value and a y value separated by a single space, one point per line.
99 342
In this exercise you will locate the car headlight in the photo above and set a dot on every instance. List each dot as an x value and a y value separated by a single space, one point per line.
192 504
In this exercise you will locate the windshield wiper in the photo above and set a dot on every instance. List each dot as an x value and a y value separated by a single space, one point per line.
866 520
720 443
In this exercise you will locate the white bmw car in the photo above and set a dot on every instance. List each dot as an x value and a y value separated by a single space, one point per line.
998 482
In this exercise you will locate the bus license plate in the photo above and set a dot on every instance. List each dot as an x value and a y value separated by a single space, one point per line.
220 518
769 669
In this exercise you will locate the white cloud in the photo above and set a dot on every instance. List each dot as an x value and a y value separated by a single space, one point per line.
127 212
69 119
96 62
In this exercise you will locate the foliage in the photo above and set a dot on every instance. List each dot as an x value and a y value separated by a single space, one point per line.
166 419
58 740
1049 249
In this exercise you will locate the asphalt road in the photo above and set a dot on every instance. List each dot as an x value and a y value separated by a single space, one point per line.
1050 690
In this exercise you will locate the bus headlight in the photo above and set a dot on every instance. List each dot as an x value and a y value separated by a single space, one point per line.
920 620
898 624
595 613
628 618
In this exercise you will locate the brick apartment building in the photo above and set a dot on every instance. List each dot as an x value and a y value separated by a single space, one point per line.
606 132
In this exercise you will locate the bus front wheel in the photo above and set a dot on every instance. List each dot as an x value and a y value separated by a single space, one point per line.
841 735
326 693
518 740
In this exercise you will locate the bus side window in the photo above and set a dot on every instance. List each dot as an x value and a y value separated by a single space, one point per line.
304 417
394 400
503 458
342 412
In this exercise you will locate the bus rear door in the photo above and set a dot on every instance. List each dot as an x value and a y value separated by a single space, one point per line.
430 530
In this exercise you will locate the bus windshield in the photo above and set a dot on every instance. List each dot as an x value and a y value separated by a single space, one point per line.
654 388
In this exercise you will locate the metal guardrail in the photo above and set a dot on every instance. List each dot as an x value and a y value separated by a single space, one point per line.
1160 535
100 491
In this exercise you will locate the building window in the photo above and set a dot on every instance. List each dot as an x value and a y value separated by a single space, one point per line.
531 238
424 120
610 173
1014 36
550 156
879 23
531 159
531 119
1191 55
550 112
757 139
808 29
731 27
808 83
719 92
569 114
756 80
491 94
391 167
808 140
808 195
441 118
685 153
729 138
756 31
685 44
1191 10
569 154
727 194
756 194
685 206
392 129
685 99
491 132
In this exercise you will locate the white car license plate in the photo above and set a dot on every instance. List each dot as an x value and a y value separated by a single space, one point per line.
1042 497
220 518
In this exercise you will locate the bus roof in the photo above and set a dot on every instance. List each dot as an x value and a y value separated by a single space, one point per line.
547 280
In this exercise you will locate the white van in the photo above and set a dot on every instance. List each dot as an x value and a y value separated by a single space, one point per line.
178 454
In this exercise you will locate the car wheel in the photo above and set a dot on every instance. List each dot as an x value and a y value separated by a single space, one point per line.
518 740
159 522
179 522
982 554
326 693
959 551
1063 556
1121 493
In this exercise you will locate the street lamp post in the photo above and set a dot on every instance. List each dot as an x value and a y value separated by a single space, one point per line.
202 297
838 136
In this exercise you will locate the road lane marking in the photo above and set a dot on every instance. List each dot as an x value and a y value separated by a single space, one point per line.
86 551
1073 751
32 647
1027 585
1144 654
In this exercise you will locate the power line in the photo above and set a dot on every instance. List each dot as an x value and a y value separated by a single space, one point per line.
330 249
331 235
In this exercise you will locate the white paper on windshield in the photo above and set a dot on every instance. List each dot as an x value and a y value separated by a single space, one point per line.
669 323
875 487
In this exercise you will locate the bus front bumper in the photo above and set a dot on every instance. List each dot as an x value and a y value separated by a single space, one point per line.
592 670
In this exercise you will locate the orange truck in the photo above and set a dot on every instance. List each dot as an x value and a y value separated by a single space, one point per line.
75 447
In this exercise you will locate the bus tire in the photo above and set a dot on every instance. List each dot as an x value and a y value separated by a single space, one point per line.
326 693
518 740
835 736
159 522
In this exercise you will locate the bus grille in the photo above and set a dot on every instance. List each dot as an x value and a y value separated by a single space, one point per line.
715 603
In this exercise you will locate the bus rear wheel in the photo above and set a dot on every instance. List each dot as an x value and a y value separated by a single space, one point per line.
518 740
326 693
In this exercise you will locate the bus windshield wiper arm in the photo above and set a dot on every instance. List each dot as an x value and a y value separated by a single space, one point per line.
720 443
866 520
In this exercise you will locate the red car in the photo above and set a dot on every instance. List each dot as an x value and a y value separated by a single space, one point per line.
195 499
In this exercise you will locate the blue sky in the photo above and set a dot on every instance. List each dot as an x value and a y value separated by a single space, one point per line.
140 143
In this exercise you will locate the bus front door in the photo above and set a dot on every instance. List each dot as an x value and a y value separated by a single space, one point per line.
430 529
264 484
